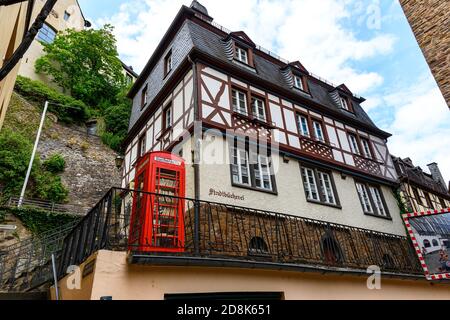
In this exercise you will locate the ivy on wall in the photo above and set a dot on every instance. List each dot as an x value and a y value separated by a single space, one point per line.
39 221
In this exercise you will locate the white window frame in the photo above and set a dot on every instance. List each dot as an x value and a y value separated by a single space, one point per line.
310 184
378 201
168 117
344 104
364 197
236 101
264 172
168 62
241 55
354 144
326 187
366 148
318 131
237 153
303 127
259 108
298 83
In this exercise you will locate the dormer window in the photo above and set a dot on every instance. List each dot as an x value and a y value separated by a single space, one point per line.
168 63
345 103
241 55
298 83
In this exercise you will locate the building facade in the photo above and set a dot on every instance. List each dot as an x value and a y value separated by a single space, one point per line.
14 23
429 22
66 14
285 176
421 191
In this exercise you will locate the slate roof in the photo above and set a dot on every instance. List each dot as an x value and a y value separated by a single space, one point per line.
212 44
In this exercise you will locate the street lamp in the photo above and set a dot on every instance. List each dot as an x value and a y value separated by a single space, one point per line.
119 162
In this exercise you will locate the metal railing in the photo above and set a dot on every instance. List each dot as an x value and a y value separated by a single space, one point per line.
26 264
48 206
209 229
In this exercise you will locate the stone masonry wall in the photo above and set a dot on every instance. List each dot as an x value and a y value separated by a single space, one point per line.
90 165
430 22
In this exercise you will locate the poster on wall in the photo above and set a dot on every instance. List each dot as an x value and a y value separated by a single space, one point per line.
430 234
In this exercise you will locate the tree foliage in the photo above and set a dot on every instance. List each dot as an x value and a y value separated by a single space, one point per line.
86 64
15 154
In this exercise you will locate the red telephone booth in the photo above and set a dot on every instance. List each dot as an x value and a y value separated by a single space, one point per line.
157 219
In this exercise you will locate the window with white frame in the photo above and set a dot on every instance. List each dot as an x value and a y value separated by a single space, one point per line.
258 108
364 197
310 185
344 104
263 177
298 83
377 201
240 167
167 117
241 55
303 125
372 200
354 143
168 63
326 187
319 186
366 148
239 101
251 169
318 131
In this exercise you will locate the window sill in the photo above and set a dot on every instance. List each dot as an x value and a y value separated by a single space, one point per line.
336 206
301 91
243 186
245 65
378 216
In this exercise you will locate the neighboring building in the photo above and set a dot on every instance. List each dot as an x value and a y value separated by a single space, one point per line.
13 24
66 14
429 21
129 73
291 178
421 191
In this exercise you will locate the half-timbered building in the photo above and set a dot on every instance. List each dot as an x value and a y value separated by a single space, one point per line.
323 157
265 182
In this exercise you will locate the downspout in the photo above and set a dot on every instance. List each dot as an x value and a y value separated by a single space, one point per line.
196 159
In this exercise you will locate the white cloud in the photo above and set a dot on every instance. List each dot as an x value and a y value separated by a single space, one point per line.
296 29
420 126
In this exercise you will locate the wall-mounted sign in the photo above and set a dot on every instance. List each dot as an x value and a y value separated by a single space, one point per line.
430 234
225 194
168 161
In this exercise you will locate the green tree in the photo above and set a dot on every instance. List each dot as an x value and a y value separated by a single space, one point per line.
86 64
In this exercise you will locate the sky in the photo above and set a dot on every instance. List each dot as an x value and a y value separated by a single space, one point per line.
368 45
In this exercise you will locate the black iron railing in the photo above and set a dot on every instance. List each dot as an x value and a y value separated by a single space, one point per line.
208 229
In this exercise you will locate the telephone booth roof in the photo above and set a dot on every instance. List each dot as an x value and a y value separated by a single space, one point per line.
162 156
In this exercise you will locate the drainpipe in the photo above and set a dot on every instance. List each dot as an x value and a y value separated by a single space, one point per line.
196 160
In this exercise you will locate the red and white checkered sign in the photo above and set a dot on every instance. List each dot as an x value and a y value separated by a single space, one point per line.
406 218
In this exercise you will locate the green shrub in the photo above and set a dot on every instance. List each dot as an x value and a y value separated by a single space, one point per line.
39 221
2 215
15 154
36 91
112 140
50 187
55 163
117 119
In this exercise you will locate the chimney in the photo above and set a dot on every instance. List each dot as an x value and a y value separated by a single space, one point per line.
201 9
436 174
